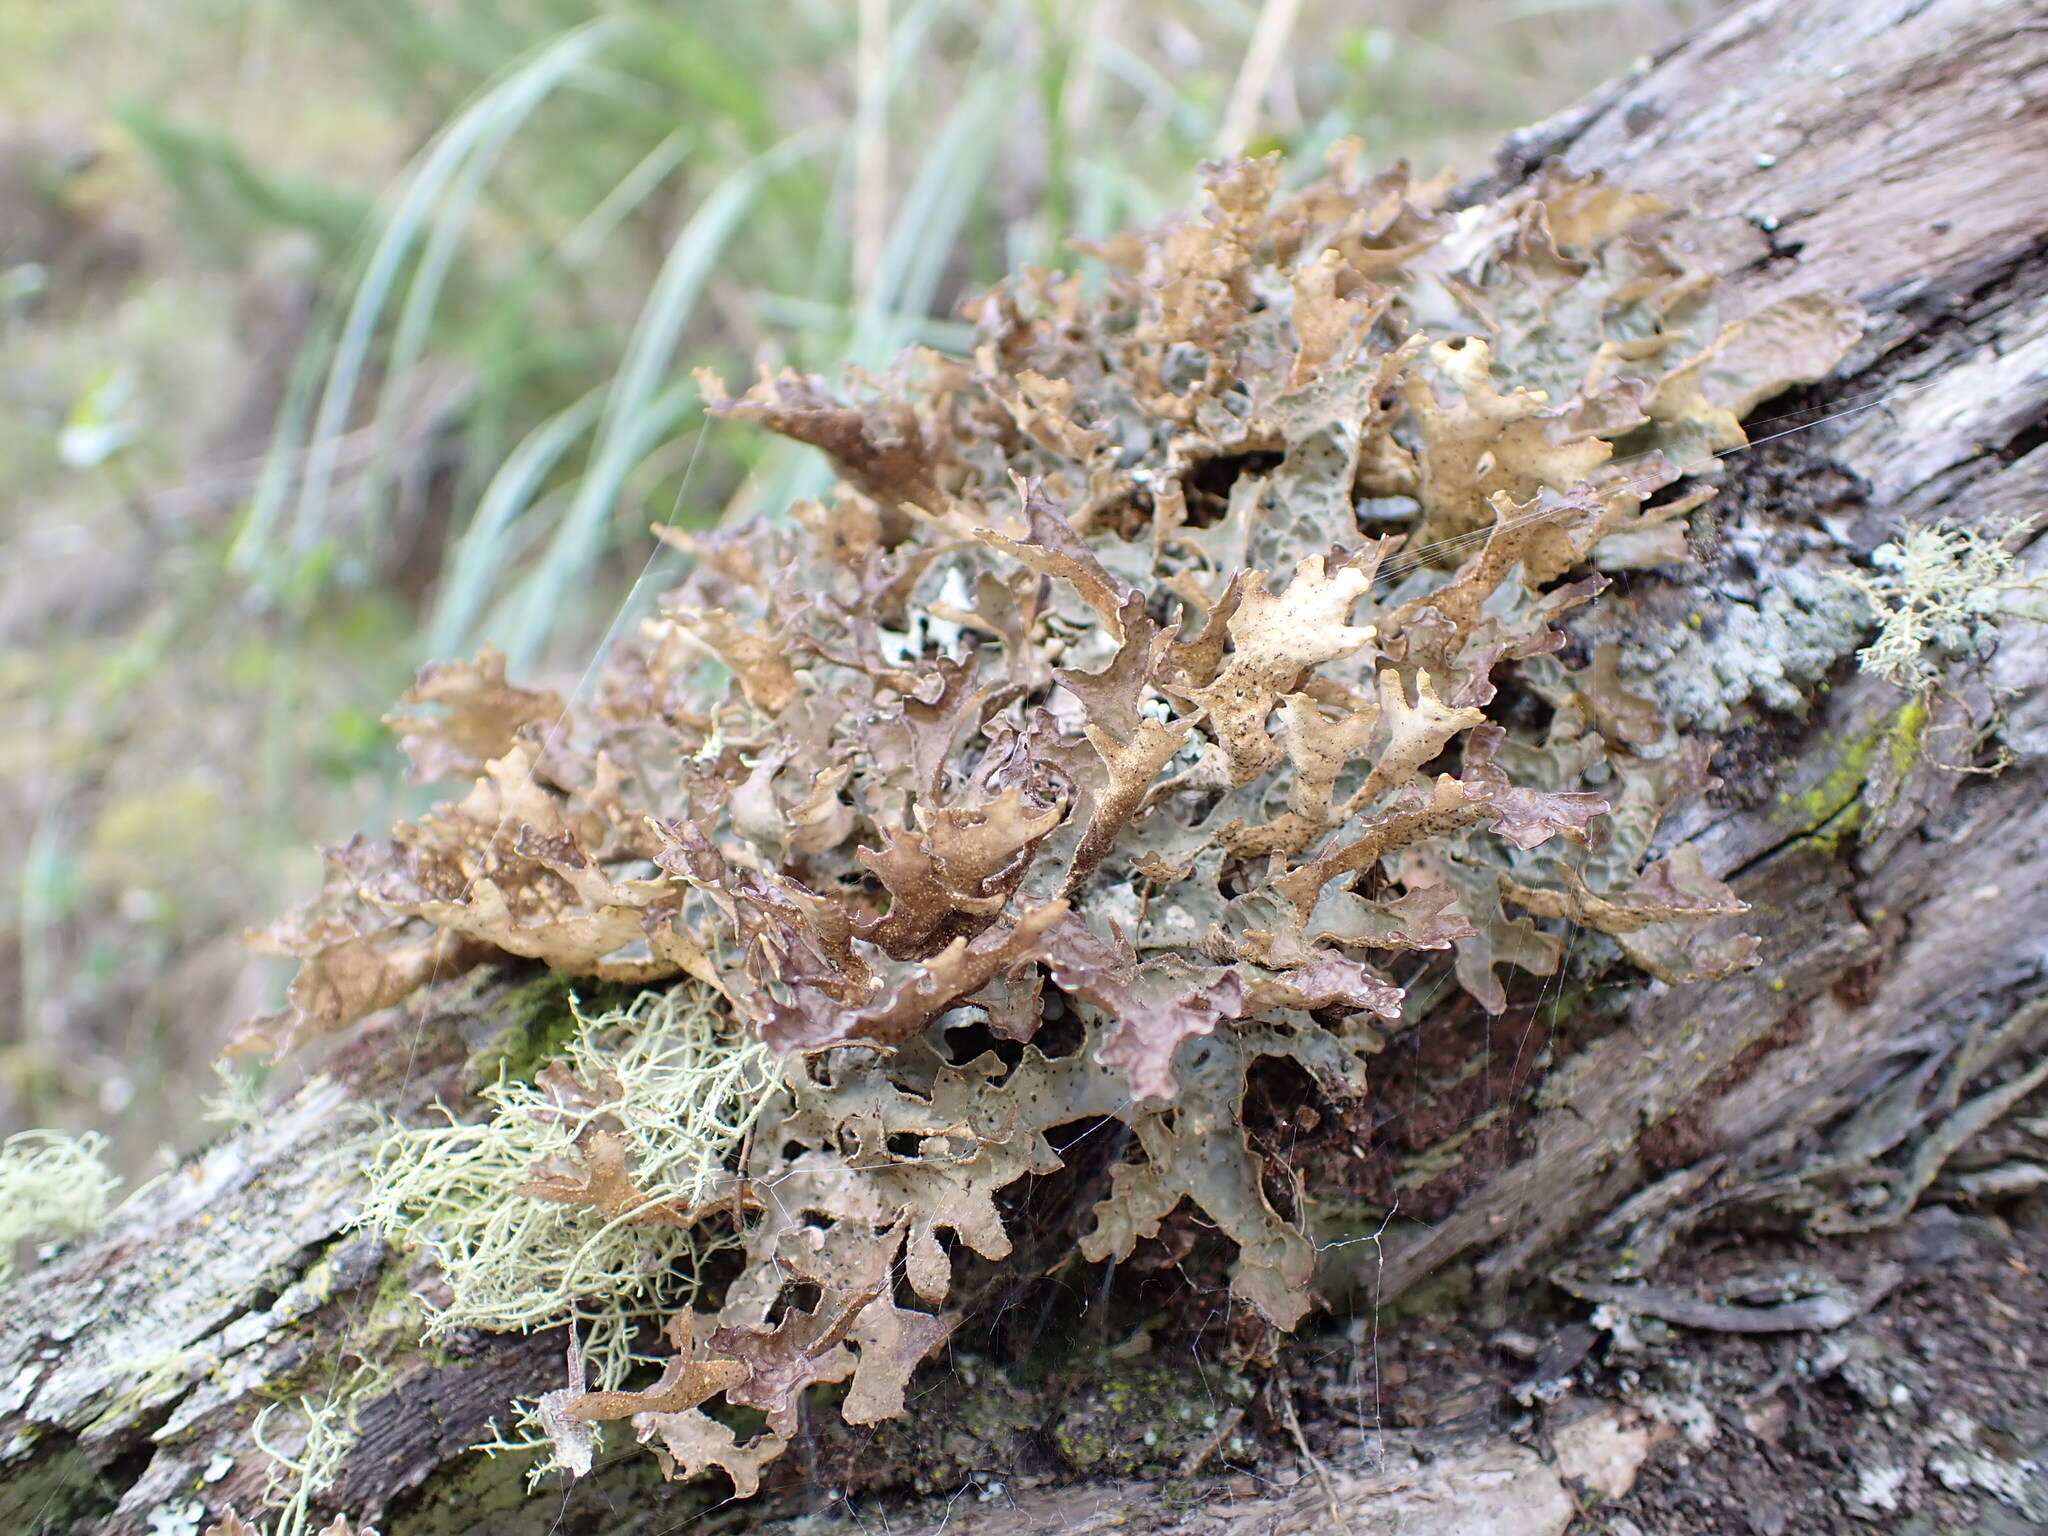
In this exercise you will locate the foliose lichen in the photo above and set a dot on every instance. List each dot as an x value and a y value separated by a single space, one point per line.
1157 678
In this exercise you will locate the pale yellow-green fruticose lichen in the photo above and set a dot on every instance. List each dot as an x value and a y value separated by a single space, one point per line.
1939 588
327 1432
51 1185
671 1083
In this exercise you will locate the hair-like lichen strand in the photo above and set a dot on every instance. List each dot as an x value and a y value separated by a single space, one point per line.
1937 588
672 1077
51 1185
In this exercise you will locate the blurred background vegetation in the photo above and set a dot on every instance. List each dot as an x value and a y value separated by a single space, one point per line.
339 335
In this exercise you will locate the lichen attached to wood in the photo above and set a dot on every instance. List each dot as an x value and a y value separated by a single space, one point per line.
1157 678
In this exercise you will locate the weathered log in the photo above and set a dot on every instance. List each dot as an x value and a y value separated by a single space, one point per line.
1896 150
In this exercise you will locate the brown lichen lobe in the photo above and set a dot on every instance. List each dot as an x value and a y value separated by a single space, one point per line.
1150 667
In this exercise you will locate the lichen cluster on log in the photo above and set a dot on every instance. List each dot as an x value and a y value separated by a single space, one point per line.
1894 152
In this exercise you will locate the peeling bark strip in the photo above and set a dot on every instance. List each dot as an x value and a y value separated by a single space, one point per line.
1895 151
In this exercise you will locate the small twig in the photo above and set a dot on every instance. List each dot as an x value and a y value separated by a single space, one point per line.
1255 75
741 1182
871 148
1315 1462
1817 1313
1196 1459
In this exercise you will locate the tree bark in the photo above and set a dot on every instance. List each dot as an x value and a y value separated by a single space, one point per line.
1896 150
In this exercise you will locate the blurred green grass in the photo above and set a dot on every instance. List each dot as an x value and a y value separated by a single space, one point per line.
338 338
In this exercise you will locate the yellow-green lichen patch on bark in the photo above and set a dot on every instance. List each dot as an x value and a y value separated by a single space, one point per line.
534 1022
482 1495
56 1485
976 1426
1147 1416
1850 775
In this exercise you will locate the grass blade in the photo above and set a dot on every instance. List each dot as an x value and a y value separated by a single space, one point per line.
635 398
481 556
511 100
